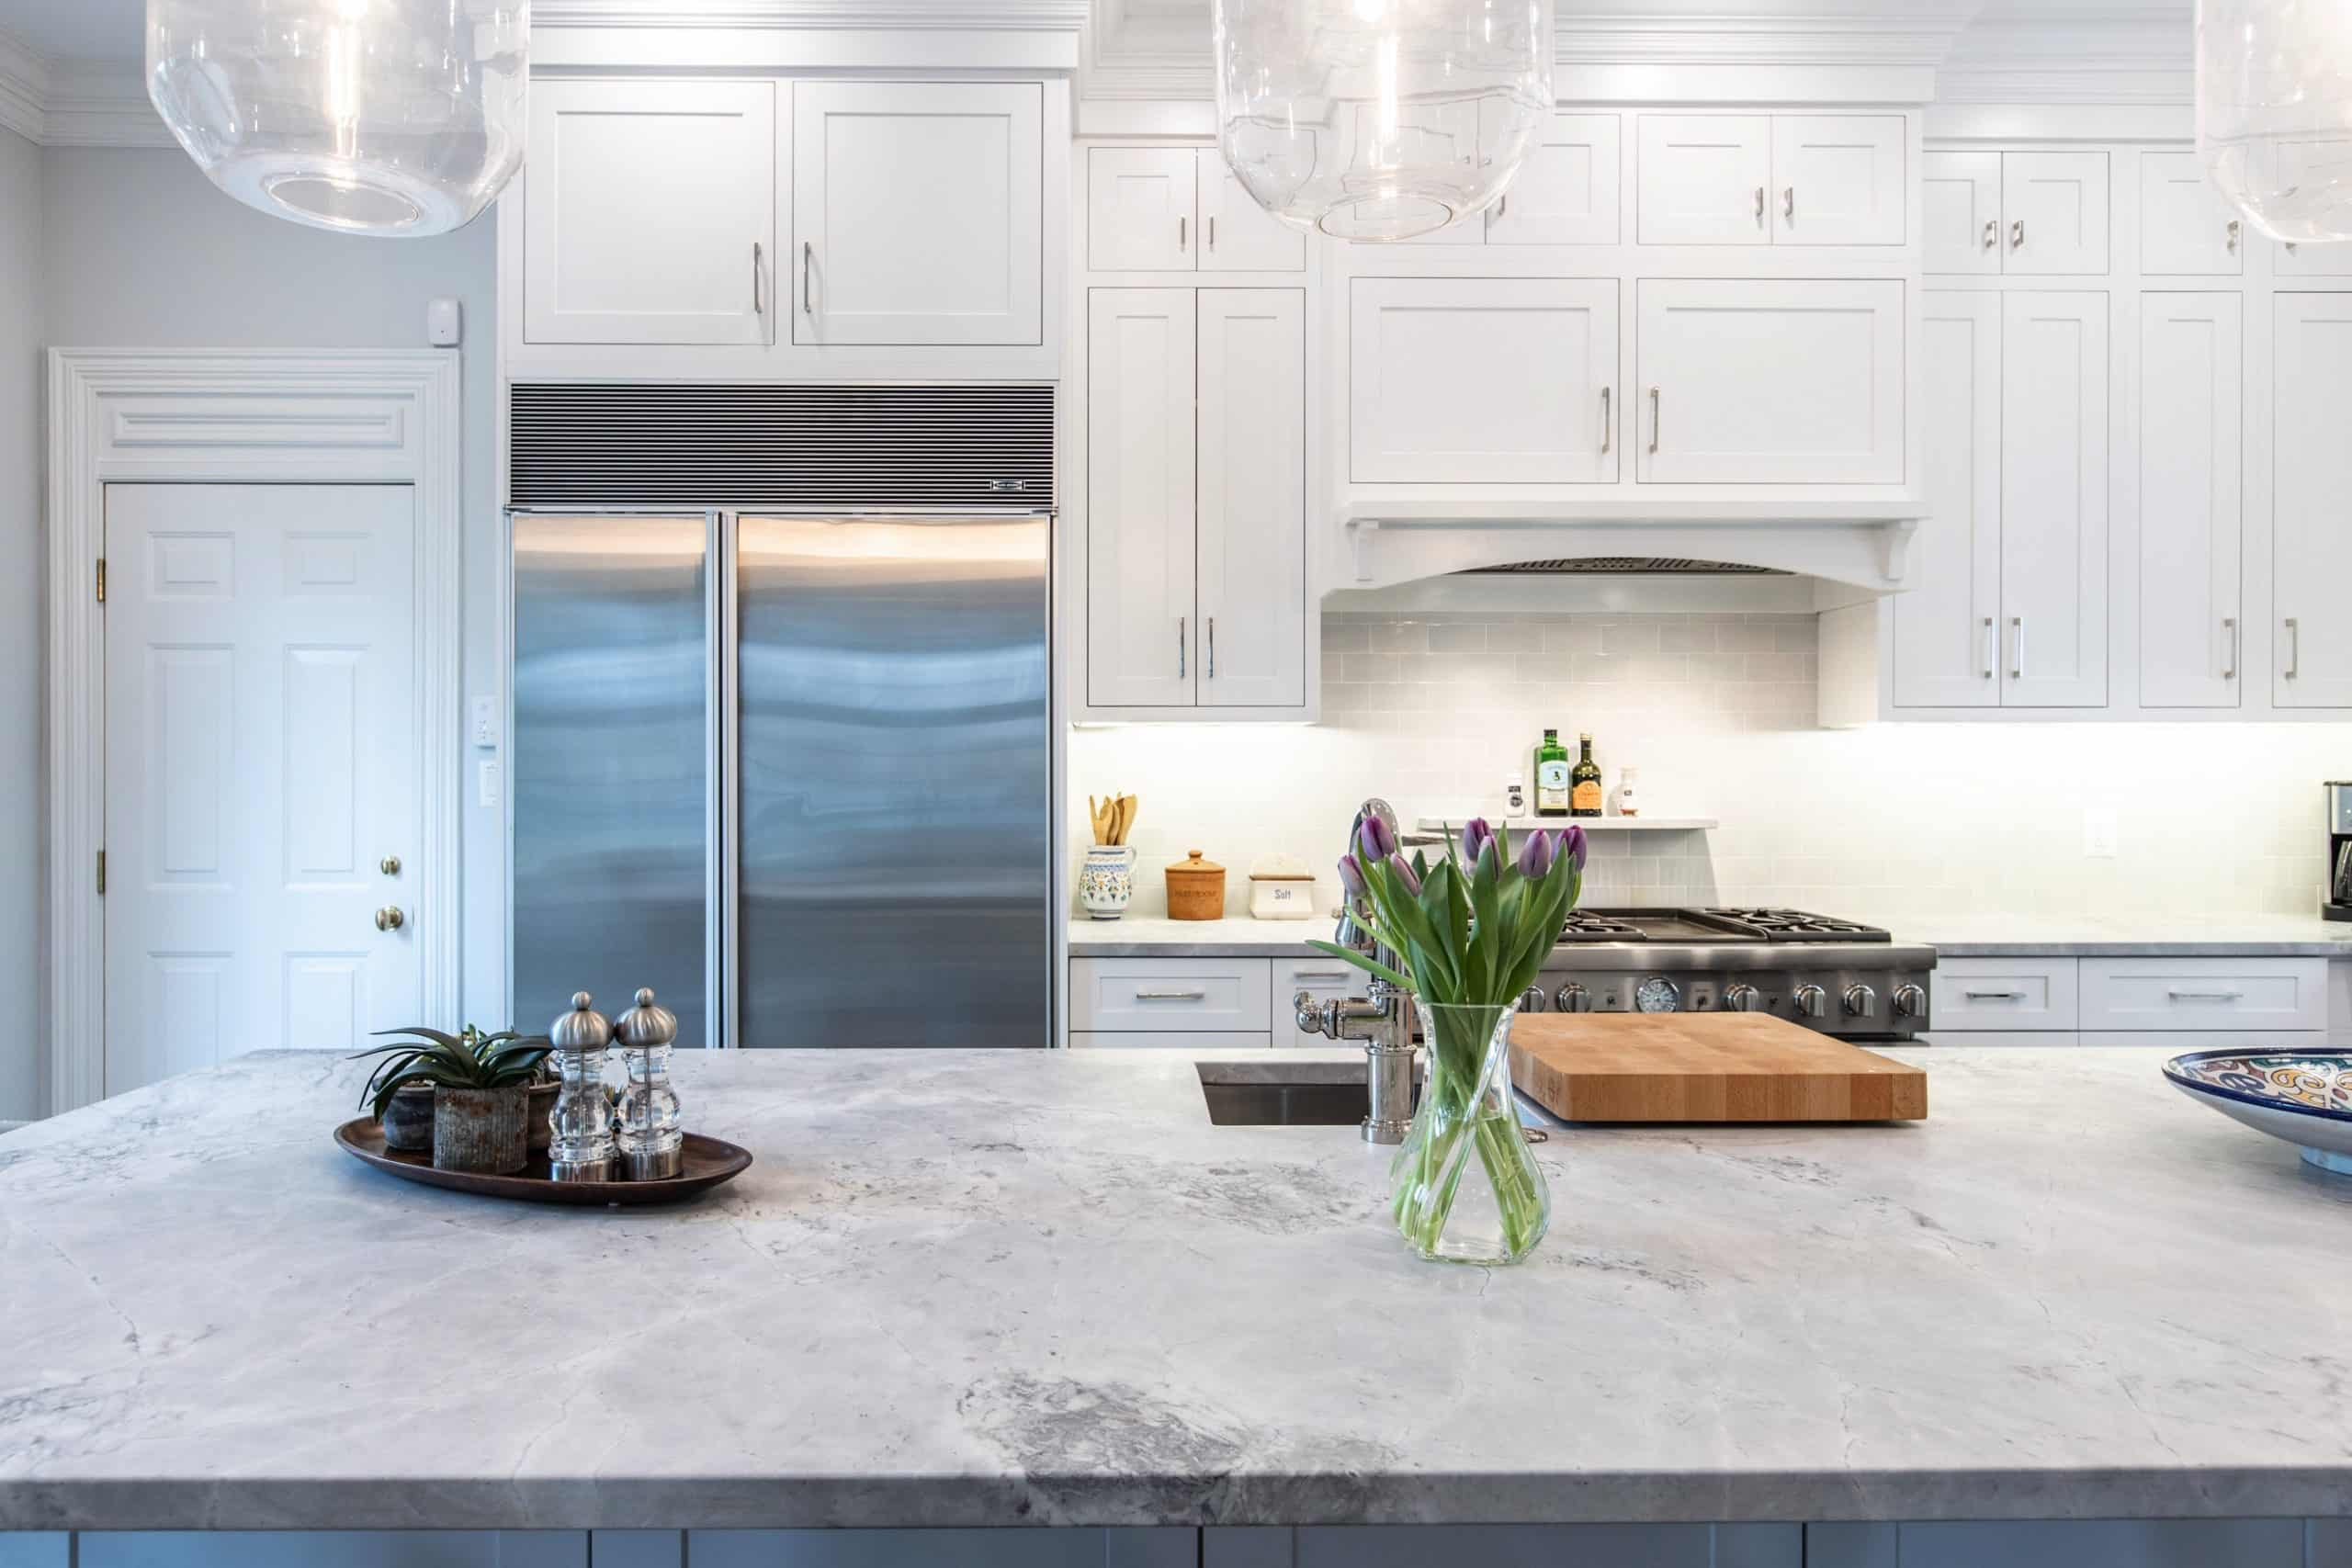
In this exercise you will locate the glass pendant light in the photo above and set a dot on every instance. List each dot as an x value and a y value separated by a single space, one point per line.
1380 119
2274 112
372 117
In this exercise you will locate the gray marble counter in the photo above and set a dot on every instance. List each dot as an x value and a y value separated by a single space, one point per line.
983 1289
1144 936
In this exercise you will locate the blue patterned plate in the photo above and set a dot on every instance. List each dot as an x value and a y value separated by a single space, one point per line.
2304 1097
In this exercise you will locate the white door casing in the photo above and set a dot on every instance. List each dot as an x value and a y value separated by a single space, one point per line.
368 417
1250 527
2192 621
1945 627
2054 499
1141 629
260 697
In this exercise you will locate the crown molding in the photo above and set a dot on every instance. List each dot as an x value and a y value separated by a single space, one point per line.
75 103
24 89
821 16
2062 56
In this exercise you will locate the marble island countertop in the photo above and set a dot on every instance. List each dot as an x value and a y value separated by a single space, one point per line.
1040 1288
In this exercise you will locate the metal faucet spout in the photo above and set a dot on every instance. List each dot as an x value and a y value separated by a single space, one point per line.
1382 1022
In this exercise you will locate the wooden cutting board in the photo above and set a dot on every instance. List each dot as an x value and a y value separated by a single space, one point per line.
1731 1067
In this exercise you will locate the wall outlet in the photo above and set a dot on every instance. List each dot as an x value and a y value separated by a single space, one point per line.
2099 833
485 721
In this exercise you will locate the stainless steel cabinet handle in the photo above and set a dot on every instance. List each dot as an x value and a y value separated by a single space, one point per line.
2294 648
1502 204
1992 656
758 306
1180 234
1994 996
1212 647
1179 648
1992 232
1322 974
2017 234
1657 425
2230 624
1170 995
808 266
1608 423
1759 207
2181 995
1789 204
2234 228
2017 668
1212 230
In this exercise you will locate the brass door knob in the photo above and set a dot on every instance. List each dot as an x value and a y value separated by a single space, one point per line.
389 865
389 919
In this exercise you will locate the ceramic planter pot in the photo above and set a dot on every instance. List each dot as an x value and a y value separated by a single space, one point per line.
408 1119
481 1130
540 1127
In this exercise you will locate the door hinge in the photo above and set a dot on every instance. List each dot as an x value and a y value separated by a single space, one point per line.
102 580
102 873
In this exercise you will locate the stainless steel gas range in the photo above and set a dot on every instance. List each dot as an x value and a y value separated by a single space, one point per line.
1853 981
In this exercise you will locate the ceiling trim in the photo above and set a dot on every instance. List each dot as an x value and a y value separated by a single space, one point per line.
24 89
75 103
828 16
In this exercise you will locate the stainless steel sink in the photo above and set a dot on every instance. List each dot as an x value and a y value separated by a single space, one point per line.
1284 1094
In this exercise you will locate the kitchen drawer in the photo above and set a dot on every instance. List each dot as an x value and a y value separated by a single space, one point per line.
2002 994
1325 977
2011 1038
1184 996
2204 993
1174 1040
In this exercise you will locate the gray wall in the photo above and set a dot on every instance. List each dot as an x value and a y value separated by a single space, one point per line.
138 250
21 562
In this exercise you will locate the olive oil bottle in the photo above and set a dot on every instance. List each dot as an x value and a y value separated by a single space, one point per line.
1584 783
1550 776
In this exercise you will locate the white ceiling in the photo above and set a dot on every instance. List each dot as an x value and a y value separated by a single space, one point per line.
78 29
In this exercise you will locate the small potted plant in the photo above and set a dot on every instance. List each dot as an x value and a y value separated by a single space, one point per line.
481 1087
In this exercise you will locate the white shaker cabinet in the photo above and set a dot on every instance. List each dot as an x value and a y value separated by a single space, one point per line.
1762 381
2192 620
1139 497
2054 209
2312 502
2333 260
1704 179
1250 523
649 212
1237 234
2185 225
1178 210
1945 627
1960 197
1837 179
2054 499
1566 193
1472 381
918 212
1791 179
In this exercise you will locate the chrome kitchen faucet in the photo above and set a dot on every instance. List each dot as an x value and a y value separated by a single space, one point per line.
1383 1022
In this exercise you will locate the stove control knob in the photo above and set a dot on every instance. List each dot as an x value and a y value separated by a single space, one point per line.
1743 998
1572 999
1812 1001
1532 1000
1911 1001
1861 1000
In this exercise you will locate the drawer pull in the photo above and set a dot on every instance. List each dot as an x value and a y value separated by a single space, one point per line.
1994 996
1321 974
1194 996
2180 996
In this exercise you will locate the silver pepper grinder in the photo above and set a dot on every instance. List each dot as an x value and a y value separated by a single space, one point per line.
652 1148
581 1149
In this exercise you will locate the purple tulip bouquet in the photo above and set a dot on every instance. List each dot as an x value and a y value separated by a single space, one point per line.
1472 931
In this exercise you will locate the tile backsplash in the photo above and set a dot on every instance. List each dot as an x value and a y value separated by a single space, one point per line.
1887 822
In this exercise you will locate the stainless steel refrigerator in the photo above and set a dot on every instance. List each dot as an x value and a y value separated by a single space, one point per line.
793 771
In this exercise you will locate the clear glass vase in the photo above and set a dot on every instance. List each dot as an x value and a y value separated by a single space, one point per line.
1465 1187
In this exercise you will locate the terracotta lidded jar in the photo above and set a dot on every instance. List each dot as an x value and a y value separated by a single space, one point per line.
1195 889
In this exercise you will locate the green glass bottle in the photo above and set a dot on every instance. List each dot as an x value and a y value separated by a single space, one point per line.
1584 783
1550 776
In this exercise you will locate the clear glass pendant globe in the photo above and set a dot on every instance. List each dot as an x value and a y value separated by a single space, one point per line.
2274 112
1380 119
375 117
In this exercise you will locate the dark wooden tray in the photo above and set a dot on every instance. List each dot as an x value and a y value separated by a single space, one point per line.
709 1162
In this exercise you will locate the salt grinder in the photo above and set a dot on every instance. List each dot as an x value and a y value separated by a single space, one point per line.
581 1149
651 1146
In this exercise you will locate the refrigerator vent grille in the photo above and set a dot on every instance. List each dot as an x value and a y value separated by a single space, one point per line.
865 447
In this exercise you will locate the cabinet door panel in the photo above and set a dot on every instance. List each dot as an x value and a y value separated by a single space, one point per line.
1489 380
1701 179
2110 1543
2313 261
1763 382
1567 191
1139 205
1837 179
1140 529
643 210
918 212
1960 196
2054 499
1237 234
1251 517
1944 627
2312 519
2055 206
2191 622
2185 226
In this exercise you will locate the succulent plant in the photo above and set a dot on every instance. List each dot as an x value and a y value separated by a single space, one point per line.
427 1059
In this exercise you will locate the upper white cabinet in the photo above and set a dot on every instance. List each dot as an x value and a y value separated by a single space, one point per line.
2054 499
2313 261
2185 226
2016 212
1178 210
2311 552
1483 380
1196 517
1566 193
649 212
1946 628
1707 179
2191 621
1770 381
917 212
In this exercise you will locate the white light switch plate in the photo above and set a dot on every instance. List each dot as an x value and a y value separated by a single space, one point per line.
488 773
2099 833
485 724
442 328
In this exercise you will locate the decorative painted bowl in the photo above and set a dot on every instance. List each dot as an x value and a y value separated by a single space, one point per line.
2304 1097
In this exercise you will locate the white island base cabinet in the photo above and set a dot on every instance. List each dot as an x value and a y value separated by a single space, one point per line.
1200 1004
2182 1002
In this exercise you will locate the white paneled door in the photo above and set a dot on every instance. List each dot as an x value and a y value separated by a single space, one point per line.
2054 499
262 771
1945 652
1251 550
2192 627
2311 521
1142 634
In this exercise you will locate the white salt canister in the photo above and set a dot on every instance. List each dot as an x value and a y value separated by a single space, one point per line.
1280 889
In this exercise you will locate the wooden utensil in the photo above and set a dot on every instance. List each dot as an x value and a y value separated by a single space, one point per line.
1731 1067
